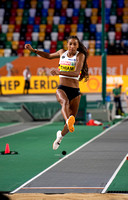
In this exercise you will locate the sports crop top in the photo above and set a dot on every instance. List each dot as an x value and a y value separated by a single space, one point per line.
67 64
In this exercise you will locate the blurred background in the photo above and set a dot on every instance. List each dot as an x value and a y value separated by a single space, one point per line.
26 85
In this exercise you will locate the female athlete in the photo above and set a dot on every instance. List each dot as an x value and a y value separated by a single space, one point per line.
72 69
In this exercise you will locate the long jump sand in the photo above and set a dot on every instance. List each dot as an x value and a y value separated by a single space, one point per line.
71 196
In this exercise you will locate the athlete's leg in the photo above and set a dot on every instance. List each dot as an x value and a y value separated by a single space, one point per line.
66 112
71 109
64 102
74 106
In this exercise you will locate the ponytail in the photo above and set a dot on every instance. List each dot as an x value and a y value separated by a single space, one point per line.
84 72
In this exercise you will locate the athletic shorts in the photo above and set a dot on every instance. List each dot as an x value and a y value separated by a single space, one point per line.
70 92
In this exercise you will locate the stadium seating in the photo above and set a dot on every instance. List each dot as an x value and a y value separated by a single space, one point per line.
46 24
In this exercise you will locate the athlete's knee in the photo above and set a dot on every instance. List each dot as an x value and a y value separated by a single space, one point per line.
65 102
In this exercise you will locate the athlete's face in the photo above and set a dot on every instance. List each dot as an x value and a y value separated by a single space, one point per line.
72 45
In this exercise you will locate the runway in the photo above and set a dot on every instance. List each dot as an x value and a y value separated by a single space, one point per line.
87 169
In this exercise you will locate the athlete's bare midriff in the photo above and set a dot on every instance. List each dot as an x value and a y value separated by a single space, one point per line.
69 82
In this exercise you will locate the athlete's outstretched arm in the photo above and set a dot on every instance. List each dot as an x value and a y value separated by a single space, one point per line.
44 54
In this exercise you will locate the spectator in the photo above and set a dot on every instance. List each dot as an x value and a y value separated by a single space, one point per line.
117 94
9 67
27 77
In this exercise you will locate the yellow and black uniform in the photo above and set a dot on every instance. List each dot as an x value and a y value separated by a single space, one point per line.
68 64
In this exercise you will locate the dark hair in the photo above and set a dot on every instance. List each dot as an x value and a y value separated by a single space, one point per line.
84 72
3 196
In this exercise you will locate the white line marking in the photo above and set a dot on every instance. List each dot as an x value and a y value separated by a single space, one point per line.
61 188
14 133
10 125
114 175
53 165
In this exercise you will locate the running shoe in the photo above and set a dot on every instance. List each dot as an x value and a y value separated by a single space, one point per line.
57 142
70 123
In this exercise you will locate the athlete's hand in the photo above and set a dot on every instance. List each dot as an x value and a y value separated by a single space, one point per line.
54 72
29 47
